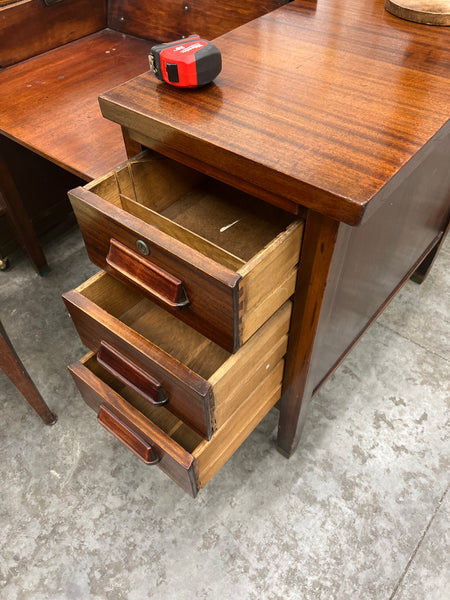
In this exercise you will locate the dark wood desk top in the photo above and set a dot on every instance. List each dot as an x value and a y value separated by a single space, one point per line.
322 103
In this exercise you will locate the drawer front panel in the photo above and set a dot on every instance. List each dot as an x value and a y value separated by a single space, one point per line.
211 290
189 396
172 458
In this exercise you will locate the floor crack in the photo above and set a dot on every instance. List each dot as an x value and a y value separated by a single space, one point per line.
428 350
419 543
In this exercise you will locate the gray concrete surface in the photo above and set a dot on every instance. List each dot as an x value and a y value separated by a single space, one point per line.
359 512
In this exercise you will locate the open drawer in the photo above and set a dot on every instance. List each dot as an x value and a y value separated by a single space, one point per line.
218 259
157 437
168 363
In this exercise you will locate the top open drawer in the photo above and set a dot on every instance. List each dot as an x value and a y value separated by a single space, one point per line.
218 259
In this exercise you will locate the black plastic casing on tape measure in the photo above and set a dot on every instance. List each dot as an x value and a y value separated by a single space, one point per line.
189 63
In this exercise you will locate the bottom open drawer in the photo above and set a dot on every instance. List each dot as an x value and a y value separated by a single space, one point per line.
158 437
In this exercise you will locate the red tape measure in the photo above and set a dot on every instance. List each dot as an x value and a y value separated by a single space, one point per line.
188 63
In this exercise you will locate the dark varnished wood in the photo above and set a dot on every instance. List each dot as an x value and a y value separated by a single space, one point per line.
351 122
19 218
49 103
30 28
328 102
13 368
154 281
124 432
371 262
211 288
313 272
43 193
172 19
118 365
174 460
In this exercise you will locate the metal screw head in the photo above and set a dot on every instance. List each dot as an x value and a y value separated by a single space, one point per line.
142 247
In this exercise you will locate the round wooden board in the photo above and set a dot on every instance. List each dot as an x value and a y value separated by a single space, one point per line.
430 12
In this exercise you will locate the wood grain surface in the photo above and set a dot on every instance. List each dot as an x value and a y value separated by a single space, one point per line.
430 12
29 27
323 102
40 110
172 19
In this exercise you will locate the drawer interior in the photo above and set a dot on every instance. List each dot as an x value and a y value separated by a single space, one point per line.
185 344
161 417
211 217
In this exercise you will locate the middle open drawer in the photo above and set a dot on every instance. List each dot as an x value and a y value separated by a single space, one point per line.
166 361
218 259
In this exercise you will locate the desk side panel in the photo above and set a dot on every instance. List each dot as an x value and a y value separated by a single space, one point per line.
372 261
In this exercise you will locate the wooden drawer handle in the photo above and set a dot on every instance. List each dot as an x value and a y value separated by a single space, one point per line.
140 381
148 277
129 438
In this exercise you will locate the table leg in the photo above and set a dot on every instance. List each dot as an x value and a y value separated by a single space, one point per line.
20 220
315 262
12 366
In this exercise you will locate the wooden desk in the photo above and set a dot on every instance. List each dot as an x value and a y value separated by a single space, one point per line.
338 110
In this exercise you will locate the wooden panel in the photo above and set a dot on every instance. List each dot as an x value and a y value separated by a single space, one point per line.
211 288
30 27
175 461
49 103
354 94
212 455
169 20
43 192
268 280
375 259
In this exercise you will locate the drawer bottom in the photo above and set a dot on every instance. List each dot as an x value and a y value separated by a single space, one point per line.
159 437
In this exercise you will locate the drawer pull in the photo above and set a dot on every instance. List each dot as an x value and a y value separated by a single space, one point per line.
129 438
148 277
140 381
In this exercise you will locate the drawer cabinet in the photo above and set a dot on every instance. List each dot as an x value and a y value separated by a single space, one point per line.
222 260
188 321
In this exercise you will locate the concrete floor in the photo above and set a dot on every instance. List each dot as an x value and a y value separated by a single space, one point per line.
361 511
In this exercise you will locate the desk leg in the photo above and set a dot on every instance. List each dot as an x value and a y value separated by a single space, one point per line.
315 262
20 220
12 366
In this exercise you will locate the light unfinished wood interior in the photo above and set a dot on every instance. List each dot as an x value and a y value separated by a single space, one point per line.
223 223
167 332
